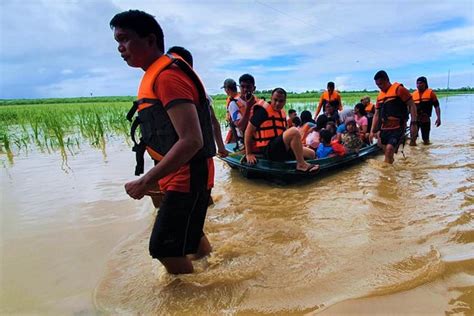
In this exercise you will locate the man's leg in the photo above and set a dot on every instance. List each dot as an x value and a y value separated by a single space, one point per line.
177 265
389 152
425 132
204 249
292 140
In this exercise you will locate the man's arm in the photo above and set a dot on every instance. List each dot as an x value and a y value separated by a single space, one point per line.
437 109
413 115
243 122
216 128
340 102
248 143
375 124
318 109
185 120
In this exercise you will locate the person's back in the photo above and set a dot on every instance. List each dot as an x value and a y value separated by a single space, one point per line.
324 149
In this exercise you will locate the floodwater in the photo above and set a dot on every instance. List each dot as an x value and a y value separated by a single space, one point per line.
371 238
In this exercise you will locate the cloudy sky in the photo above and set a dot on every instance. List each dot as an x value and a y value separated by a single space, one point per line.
65 48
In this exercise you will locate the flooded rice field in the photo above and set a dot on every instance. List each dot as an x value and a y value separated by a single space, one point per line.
371 238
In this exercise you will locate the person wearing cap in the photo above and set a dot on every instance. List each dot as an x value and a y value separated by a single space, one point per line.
330 96
233 108
425 99
394 104
369 108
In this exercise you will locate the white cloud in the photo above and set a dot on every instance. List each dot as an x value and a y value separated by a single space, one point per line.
337 40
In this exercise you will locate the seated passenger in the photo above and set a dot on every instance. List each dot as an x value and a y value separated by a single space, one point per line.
332 114
267 131
361 121
291 116
343 115
296 121
331 127
325 149
307 125
351 139
312 140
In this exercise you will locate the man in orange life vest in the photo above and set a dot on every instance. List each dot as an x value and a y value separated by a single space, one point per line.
425 99
329 96
394 103
171 91
216 126
267 128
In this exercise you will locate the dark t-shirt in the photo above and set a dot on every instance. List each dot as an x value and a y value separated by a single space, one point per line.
260 115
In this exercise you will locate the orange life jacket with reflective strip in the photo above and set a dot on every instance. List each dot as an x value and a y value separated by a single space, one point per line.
240 103
157 132
273 126
424 104
393 110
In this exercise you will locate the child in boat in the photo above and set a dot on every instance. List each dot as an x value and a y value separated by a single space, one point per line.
312 140
325 149
351 139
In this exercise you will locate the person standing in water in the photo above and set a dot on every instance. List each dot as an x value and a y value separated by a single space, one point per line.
425 99
172 93
394 103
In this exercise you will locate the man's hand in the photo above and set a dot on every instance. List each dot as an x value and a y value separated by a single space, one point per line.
438 122
251 159
137 189
222 152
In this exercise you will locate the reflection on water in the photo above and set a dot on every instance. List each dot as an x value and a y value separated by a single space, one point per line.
365 231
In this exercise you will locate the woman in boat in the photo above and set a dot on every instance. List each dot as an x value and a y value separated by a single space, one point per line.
361 121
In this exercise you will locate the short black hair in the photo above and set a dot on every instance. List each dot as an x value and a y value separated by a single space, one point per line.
183 53
306 117
279 90
296 121
331 85
325 136
291 111
381 74
247 78
423 79
141 23
321 122
361 108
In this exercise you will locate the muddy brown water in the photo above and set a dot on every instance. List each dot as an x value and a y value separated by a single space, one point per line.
369 239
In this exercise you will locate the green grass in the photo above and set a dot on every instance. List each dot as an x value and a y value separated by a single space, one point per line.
63 124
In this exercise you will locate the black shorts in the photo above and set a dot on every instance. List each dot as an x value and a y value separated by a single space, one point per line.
179 224
391 137
276 150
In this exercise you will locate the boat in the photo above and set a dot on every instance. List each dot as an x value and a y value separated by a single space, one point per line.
286 170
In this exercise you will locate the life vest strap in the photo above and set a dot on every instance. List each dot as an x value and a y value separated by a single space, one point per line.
139 150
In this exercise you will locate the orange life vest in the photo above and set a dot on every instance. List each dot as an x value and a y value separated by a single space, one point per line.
393 111
157 132
424 104
272 127
331 99
369 108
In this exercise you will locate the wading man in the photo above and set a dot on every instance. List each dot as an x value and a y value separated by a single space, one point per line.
425 99
394 103
176 130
